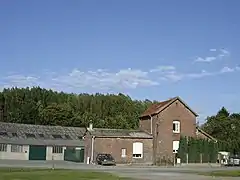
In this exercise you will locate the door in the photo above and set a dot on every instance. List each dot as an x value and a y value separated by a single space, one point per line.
37 152
82 155
74 154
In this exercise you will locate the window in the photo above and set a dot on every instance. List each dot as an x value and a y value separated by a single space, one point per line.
57 150
3 134
3 147
57 136
16 148
67 136
176 127
14 135
28 135
124 152
175 146
137 150
41 135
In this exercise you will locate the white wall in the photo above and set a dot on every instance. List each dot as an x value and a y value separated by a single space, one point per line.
15 155
53 156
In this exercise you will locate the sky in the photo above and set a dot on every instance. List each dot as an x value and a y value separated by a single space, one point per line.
153 50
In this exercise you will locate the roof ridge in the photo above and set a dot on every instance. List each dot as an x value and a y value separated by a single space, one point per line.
24 124
116 129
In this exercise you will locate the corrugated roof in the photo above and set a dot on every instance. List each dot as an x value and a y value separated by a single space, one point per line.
40 135
99 132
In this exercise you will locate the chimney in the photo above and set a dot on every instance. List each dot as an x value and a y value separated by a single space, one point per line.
90 128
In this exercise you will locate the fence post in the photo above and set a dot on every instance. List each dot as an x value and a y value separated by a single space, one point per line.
187 158
201 161
174 160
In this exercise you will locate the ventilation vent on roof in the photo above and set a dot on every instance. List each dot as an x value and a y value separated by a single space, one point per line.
3 134
28 135
14 135
41 135
56 136
67 136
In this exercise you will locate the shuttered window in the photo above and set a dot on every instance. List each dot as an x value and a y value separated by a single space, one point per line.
175 146
137 150
124 152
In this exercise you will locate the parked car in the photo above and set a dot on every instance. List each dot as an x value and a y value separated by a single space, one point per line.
105 159
234 160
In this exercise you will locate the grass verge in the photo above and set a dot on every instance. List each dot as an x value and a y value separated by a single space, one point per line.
223 173
48 174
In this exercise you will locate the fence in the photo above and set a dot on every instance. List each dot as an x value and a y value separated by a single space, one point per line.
165 161
192 150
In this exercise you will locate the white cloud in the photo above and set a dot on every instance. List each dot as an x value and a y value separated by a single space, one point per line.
104 80
213 50
203 73
222 53
163 69
21 80
206 59
227 69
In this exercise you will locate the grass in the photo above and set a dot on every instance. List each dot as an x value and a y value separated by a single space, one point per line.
223 173
48 174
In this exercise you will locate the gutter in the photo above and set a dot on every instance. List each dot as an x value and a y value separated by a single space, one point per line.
151 131
127 137
92 149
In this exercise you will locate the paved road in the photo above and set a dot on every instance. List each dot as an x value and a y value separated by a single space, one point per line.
141 172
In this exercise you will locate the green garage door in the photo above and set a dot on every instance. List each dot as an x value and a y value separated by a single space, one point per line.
37 152
74 154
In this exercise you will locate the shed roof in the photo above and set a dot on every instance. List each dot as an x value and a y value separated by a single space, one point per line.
14 133
124 133
206 134
158 107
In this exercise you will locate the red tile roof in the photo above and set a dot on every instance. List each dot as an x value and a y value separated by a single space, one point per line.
156 108
153 109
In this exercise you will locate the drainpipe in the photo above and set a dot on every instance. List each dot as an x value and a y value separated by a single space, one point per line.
92 149
151 125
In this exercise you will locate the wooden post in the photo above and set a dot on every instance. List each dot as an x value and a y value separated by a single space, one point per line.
201 158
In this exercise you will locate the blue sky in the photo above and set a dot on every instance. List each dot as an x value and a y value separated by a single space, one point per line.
148 49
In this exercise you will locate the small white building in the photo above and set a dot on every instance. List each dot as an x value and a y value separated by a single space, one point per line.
37 142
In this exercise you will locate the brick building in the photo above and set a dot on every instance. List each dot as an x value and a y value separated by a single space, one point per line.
160 128
126 146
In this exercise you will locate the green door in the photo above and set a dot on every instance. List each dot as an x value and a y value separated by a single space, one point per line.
82 155
74 154
37 152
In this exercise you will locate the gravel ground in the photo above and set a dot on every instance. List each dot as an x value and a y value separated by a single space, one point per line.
138 172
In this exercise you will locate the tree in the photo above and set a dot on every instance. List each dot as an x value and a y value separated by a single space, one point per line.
41 106
226 128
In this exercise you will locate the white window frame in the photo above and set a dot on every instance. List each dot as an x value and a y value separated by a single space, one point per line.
175 146
57 149
124 152
3 147
137 150
177 125
16 148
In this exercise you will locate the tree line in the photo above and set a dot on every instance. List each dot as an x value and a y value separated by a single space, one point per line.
46 107
225 127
